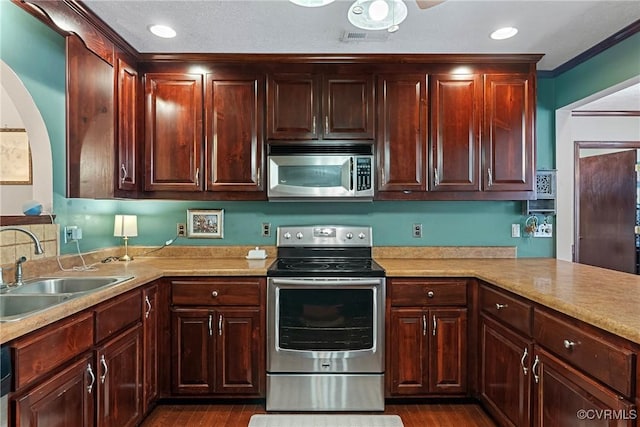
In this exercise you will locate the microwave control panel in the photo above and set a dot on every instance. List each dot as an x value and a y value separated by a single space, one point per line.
363 173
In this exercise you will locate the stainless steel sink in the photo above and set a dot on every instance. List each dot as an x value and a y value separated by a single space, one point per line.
17 307
65 285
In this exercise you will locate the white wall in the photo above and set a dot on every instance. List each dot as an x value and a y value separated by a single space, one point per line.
17 107
569 130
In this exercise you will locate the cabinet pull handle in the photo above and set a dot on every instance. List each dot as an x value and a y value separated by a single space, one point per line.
214 294
382 179
123 169
524 356
435 325
430 294
490 176
220 325
424 325
536 376
569 345
93 378
326 124
259 178
313 126
105 368
197 177
501 306
436 178
146 301
210 325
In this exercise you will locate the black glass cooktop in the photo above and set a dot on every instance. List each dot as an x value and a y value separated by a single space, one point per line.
340 267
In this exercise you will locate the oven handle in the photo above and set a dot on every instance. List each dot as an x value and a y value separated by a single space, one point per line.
327 282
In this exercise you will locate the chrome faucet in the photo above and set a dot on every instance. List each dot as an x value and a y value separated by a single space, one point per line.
37 250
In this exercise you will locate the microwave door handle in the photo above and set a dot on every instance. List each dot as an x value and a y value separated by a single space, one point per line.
351 175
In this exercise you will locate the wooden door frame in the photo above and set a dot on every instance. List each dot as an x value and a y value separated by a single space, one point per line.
576 181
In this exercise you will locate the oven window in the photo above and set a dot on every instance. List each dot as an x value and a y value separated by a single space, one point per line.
310 176
326 319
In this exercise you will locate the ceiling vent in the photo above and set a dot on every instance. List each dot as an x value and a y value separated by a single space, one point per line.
361 36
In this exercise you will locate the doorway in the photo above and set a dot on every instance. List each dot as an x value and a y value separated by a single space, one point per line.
606 205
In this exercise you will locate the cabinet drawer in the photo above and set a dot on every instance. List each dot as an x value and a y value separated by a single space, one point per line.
586 350
42 352
509 310
116 315
408 293
214 292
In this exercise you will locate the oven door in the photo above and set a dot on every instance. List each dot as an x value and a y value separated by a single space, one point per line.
308 176
325 325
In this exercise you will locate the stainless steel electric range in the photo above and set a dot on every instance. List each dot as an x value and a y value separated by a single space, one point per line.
325 321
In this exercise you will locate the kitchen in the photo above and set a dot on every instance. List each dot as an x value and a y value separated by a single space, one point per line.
242 228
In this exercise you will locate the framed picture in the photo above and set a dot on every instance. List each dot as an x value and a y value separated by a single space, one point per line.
205 223
15 151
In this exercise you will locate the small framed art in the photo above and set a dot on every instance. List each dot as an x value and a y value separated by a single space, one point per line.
205 223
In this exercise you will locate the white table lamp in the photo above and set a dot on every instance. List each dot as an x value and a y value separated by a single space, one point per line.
125 226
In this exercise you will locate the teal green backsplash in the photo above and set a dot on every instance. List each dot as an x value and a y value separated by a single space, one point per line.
36 54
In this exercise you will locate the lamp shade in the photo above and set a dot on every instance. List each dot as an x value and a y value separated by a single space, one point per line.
125 226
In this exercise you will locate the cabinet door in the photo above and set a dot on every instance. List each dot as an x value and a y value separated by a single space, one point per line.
90 123
456 112
173 132
150 337
234 123
563 394
448 350
505 375
119 367
239 351
192 332
292 106
68 396
348 107
407 362
402 135
509 133
127 86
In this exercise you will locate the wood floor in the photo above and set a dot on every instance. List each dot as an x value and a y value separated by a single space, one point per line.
238 415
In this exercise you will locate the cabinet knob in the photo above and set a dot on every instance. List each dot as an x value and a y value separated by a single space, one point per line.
214 294
569 345
501 306
430 294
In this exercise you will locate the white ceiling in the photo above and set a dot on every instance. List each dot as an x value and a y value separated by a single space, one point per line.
558 29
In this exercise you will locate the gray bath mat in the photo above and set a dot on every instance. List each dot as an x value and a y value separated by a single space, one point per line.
324 420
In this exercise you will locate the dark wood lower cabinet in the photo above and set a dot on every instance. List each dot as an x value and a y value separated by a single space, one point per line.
66 399
427 351
566 397
505 377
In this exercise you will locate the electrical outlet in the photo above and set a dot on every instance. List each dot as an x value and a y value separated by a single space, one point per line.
266 229
515 230
71 233
417 230
181 229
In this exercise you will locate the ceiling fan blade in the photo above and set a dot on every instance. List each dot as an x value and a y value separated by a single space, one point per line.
426 4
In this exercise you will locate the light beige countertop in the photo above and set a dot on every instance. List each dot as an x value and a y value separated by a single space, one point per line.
604 298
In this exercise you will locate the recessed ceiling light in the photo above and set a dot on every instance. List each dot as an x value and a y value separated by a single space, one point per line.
162 31
504 33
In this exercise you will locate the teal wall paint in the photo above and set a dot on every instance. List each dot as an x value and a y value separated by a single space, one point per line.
615 65
40 63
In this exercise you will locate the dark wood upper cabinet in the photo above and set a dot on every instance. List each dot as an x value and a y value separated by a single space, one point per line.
90 123
127 128
234 115
173 132
456 114
402 132
307 106
508 140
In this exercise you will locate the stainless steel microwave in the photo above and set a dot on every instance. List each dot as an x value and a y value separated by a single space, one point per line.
317 172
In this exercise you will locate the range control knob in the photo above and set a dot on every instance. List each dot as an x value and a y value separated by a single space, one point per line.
361 236
349 236
287 235
299 235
